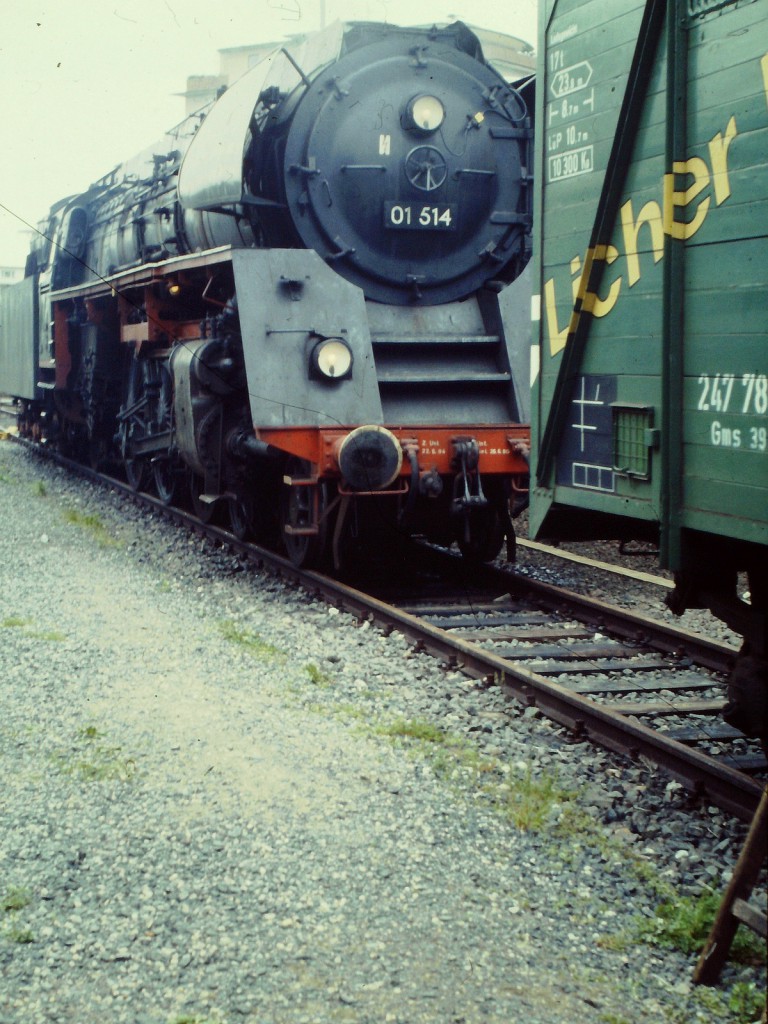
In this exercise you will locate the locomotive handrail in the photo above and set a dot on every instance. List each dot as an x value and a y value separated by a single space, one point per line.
147 272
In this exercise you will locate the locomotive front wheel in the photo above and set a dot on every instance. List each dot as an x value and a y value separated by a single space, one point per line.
136 473
135 424
298 514
165 470
166 479
242 516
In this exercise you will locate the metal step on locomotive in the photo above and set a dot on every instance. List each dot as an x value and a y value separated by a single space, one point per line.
308 304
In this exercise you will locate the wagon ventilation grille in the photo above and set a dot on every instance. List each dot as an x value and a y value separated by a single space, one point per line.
633 439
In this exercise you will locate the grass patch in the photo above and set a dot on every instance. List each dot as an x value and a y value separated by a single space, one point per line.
248 640
185 1019
92 760
90 524
413 729
746 1001
14 622
18 933
317 677
16 898
451 757
350 711
681 923
684 923
51 635
192 1018
40 489
742 1004
529 802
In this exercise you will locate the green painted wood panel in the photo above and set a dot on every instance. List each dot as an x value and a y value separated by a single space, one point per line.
717 197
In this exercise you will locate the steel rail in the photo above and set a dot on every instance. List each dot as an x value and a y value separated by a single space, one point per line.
563 555
711 654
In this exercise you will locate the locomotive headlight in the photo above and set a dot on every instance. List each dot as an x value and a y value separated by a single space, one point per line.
426 113
331 359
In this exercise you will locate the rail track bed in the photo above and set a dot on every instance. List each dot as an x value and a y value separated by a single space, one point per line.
631 683
622 694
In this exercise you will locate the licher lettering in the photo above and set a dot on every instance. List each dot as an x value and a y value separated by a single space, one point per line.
687 197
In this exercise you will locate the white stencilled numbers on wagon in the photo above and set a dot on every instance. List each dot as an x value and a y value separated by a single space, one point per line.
717 393
755 393
753 438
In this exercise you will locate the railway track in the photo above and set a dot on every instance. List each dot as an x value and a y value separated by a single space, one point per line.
636 686
632 684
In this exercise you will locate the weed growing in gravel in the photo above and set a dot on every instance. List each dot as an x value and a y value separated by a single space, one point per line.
13 622
529 802
684 923
19 933
450 756
412 728
743 1004
249 640
40 489
94 761
16 898
185 1019
350 711
318 677
746 1001
91 524
52 635
740 1003
24 625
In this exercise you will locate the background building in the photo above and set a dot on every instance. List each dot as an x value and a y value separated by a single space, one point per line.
512 57
10 275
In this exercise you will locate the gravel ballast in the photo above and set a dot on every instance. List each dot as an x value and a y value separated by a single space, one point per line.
224 801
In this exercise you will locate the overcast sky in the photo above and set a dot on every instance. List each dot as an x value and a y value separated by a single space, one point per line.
86 84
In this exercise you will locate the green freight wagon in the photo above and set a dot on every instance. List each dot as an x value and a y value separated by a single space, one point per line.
650 355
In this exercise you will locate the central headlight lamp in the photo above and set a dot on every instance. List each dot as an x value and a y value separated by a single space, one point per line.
426 113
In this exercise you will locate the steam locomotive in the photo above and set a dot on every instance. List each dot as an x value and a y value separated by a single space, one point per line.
307 304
